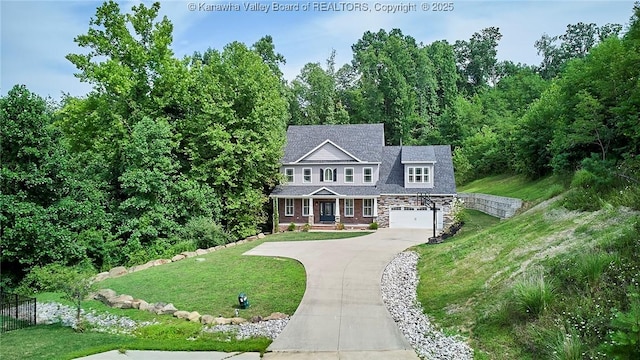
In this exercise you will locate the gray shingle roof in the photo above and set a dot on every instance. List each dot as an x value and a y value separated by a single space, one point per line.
341 190
392 174
364 141
418 153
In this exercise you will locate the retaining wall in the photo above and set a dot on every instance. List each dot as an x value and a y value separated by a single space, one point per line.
498 206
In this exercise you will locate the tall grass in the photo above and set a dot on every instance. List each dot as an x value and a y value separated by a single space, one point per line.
567 346
531 295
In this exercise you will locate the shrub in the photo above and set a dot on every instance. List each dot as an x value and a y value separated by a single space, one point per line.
306 227
532 295
292 227
340 226
582 200
204 233
625 341
373 226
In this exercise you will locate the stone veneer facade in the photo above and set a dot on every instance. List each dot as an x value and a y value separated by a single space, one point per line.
386 201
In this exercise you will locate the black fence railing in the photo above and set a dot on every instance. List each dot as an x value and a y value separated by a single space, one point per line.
16 312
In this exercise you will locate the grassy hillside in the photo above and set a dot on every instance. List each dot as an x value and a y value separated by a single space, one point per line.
516 186
545 284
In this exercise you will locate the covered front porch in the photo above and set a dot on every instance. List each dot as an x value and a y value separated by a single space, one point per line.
326 212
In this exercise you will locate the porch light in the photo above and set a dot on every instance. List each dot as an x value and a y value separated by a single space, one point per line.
243 301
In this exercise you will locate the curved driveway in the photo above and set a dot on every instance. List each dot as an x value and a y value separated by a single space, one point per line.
341 315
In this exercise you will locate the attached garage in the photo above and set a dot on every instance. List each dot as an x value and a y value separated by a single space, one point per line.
413 217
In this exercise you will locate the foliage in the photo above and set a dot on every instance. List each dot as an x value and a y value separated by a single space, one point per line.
373 226
340 226
532 295
291 227
306 227
204 233
625 341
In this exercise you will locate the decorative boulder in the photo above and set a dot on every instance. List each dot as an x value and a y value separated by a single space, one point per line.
180 314
276 316
238 321
256 319
261 236
104 295
230 245
222 321
251 238
168 309
194 316
212 249
145 306
140 267
121 302
101 276
178 257
161 262
118 271
207 319
136 303
189 254
201 252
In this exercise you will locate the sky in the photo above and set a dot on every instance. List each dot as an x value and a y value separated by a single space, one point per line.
37 35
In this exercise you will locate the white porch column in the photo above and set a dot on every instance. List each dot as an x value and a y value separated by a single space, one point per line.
337 210
375 208
310 220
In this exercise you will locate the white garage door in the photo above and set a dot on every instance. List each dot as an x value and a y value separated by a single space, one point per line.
412 217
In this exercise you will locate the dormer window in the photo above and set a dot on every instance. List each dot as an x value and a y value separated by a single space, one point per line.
418 175
367 175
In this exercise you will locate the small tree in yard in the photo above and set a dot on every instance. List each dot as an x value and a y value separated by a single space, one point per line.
75 283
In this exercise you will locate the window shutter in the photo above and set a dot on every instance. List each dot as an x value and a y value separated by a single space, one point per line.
321 174
335 175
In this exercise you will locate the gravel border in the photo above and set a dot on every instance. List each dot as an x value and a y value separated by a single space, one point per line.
399 284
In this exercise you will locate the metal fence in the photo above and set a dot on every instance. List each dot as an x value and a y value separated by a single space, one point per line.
16 312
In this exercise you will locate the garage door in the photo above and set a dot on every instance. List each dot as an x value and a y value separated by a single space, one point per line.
412 217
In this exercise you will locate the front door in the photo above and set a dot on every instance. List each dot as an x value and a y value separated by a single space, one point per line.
327 211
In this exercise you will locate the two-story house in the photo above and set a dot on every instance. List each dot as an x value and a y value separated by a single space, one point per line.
345 174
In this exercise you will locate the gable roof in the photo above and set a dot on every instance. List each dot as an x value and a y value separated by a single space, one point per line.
417 154
361 141
392 170
325 144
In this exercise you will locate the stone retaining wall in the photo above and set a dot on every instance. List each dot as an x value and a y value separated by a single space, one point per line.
498 206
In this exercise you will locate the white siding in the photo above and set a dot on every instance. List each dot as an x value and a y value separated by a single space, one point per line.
358 179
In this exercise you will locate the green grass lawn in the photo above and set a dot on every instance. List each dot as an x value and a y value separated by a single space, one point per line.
516 186
209 287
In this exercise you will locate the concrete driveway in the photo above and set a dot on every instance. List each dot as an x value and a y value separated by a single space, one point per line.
341 315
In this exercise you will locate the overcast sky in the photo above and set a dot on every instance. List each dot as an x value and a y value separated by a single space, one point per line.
36 35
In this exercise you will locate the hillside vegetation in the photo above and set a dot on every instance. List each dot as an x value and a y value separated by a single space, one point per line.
550 283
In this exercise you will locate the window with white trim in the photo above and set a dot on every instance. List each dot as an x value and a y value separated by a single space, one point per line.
367 207
288 173
367 175
306 175
348 207
305 207
348 175
418 175
328 175
288 207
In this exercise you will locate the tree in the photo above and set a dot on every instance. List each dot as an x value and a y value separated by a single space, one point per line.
476 60
33 188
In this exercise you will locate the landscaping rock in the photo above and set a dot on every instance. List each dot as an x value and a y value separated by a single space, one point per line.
222 321
256 319
161 262
145 306
207 320
238 320
118 271
201 252
121 302
178 257
230 245
261 236
219 247
212 249
181 314
189 254
240 242
101 276
136 303
194 316
252 238
276 316
168 309
140 267
103 295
